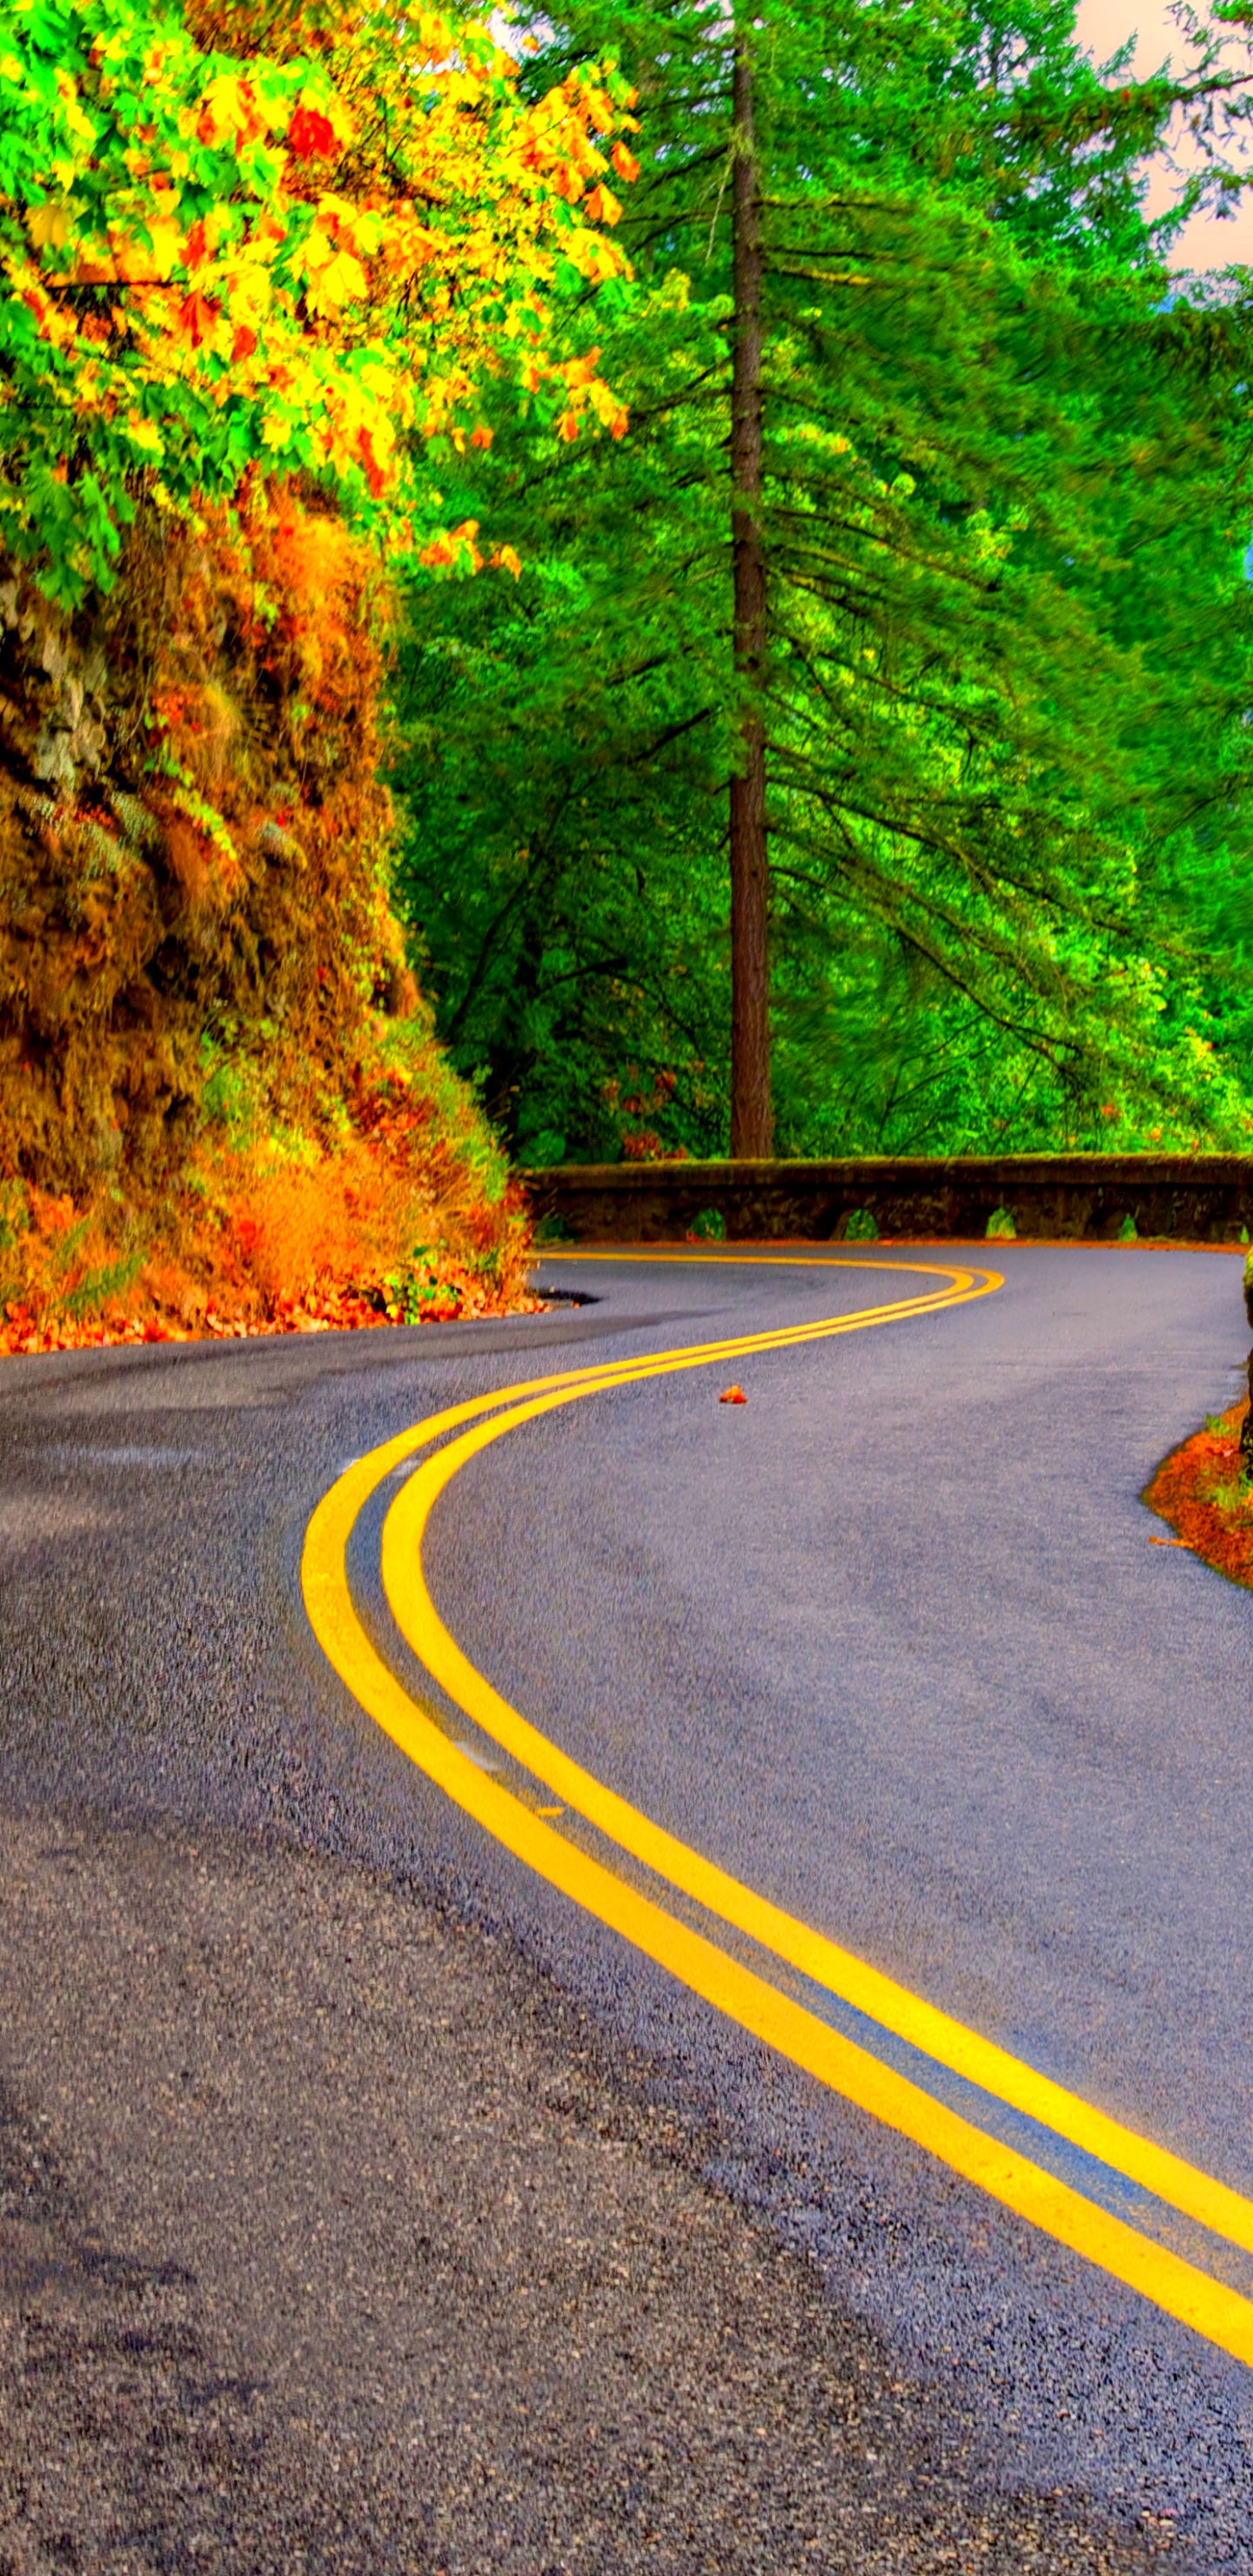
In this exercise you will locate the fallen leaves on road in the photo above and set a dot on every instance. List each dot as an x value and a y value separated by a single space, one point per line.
1198 1491
330 1310
733 1395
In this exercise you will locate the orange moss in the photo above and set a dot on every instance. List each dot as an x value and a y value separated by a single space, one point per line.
401 1221
193 836
1196 1490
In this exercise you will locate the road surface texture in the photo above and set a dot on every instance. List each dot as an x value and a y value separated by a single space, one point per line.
369 2205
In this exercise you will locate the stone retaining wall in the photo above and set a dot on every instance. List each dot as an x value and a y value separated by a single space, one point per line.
1065 1197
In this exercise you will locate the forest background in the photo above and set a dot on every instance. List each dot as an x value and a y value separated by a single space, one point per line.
717 541
1003 686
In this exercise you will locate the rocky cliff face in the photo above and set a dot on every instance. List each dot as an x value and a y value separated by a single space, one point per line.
220 1103
192 837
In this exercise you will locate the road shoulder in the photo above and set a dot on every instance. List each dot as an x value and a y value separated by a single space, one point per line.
333 2241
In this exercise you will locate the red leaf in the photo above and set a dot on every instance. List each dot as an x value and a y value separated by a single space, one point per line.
310 135
197 317
374 475
733 1395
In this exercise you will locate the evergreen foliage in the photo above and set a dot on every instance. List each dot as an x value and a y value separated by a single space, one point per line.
1006 505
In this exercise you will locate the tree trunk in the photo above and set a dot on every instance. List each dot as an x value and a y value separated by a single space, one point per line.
752 1121
1246 1430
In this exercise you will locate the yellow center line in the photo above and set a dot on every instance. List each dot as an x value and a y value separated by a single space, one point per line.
1180 2288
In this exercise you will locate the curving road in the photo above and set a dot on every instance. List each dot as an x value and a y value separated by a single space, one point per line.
961 2024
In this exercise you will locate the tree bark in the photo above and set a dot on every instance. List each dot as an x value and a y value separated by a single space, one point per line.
752 1119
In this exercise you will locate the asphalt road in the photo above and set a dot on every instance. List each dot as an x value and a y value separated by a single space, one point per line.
370 2203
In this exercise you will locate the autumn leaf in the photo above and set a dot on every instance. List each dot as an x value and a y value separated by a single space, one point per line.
454 547
733 1395
609 411
228 108
337 283
144 434
72 114
165 243
374 474
311 135
50 223
600 206
197 317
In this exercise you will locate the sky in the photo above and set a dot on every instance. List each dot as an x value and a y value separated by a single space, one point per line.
1103 25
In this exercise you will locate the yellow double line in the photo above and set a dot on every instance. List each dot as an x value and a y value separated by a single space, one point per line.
1182 2288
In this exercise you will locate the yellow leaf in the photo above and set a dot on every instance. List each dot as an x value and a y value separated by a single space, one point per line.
50 223
229 102
73 114
342 278
608 409
144 433
249 290
165 245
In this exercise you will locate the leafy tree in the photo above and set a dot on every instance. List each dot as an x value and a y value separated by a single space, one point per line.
264 269
943 594
310 258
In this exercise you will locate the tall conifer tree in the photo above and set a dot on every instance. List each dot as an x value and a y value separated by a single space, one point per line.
961 495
